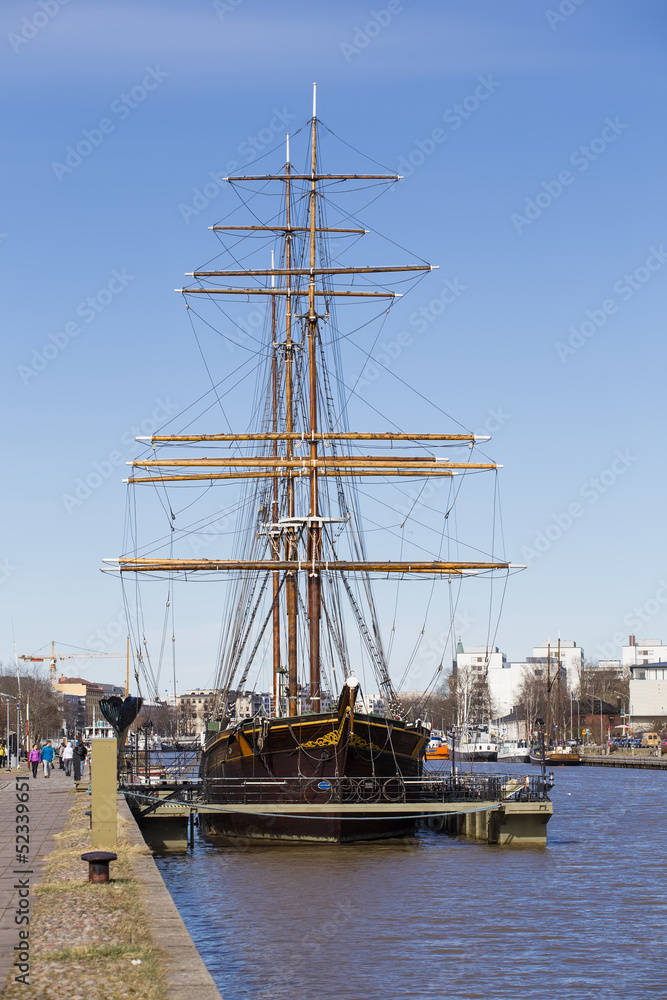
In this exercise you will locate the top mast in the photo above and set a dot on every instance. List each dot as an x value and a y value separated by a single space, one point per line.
314 536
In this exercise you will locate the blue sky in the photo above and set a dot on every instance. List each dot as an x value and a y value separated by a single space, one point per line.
541 198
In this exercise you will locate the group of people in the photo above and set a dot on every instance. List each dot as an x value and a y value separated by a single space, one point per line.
71 755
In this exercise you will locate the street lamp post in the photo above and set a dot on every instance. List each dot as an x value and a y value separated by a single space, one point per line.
18 752
540 723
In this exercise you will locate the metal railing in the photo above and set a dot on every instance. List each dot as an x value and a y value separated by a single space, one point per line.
318 790
144 766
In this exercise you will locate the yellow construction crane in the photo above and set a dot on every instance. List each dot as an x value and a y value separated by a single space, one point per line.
54 657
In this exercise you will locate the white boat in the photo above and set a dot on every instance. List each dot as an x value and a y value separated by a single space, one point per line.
474 745
514 753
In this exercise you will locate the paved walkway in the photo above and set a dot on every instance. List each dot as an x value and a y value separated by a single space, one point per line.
49 803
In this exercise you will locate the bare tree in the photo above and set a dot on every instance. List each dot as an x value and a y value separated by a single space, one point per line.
40 704
532 696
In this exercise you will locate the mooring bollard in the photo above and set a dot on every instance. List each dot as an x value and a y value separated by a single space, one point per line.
89 814
98 864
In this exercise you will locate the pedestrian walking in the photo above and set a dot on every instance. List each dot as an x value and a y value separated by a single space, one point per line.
3 754
80 753
34 757
68 754
61 750
48 754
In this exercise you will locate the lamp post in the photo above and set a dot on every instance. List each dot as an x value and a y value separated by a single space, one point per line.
540 723
147 728
3 694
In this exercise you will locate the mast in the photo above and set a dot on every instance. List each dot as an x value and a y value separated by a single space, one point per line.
548 695
295 556
558 703
275 539
291 595
315 534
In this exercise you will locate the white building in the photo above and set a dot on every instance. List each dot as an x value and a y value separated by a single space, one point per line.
478 659
639 652
505 682
613 666
504 679
648 692
370 704
571 658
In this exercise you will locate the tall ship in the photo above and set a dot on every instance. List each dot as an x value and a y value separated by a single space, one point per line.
298 560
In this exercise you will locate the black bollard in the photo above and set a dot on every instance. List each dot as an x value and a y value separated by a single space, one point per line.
98 864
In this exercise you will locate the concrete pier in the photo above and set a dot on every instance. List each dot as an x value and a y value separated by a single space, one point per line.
512 822
521 824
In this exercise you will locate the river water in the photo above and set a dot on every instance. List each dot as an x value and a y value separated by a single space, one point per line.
438 917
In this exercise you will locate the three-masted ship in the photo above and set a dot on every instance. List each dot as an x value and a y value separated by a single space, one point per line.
317 748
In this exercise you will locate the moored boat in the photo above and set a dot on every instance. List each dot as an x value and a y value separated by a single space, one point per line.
514 753
437 749
475 745
556 757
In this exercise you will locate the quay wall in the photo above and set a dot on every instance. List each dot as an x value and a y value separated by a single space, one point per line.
185 972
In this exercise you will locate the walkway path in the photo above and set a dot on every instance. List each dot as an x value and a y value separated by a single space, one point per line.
49 803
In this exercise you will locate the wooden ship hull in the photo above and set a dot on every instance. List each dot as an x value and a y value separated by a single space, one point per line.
314 760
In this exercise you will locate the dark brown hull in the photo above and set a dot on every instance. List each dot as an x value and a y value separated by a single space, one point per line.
315 760
329 828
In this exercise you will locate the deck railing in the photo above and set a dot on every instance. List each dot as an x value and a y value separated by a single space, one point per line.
319 790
